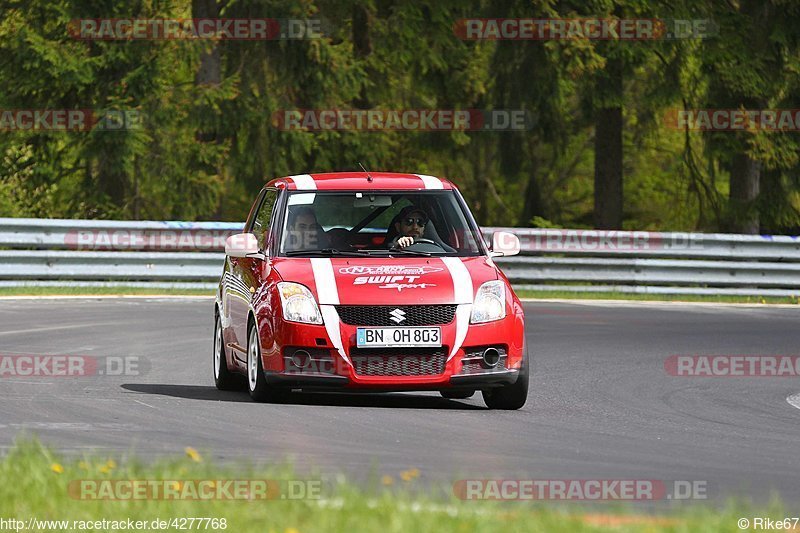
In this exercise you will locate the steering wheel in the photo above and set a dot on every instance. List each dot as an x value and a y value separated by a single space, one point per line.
427 245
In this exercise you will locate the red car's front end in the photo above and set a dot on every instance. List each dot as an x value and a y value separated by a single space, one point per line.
350 297
356 313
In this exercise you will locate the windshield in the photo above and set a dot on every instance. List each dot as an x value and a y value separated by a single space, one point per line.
372 222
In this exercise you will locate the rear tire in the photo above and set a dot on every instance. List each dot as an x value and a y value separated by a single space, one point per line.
509 397
224 379
457 394
260 391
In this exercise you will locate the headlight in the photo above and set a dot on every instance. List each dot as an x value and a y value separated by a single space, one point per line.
298 303
490 302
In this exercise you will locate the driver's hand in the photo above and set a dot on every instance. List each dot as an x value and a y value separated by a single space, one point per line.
402 242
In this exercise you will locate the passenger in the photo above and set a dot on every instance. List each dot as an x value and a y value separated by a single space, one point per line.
303 232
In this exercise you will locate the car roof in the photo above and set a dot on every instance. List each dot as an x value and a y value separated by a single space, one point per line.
359 181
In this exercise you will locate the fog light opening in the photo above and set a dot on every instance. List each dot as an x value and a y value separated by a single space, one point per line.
491 357
301 359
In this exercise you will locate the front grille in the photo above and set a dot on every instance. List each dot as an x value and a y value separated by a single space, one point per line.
379 315
398 361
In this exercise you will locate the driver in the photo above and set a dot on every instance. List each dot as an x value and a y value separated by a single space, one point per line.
410 226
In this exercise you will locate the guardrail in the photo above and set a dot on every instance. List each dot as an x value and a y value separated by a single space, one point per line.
189 254
65 234
654 262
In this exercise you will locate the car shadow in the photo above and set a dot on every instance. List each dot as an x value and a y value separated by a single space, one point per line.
191 392
330 399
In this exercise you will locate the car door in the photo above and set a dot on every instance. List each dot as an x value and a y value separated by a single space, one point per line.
232 291
245 270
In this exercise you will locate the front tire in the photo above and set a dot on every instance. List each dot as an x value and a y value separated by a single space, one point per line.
509 397
256 382
224 379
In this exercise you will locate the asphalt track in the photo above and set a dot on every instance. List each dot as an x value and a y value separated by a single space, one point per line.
601 404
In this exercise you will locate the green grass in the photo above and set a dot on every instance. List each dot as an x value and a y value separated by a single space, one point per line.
100 291
658 297
36 484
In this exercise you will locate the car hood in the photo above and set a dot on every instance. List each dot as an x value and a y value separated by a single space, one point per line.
389 281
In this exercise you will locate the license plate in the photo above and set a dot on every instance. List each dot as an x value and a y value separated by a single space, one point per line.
398 337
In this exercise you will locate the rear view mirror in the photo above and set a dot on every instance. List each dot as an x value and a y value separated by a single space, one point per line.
504 244
241 245
372 200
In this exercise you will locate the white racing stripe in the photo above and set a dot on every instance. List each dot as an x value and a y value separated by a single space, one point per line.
463 314
430 182
462 281
304 182
328 296
463 296
331 319
327 293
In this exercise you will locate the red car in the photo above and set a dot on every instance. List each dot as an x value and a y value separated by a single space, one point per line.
359 281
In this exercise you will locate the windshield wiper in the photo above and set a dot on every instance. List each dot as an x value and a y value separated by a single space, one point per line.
403 251
328 251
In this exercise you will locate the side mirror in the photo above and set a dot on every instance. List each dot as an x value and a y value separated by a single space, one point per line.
504 244
241 245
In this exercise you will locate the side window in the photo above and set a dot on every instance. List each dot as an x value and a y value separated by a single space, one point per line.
263 216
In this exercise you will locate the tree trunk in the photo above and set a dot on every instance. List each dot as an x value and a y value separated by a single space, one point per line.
745 182
362 48
210 71
608 153
771 200
745 178
111 181
532 205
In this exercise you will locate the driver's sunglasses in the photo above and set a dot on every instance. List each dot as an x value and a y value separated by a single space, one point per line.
418 221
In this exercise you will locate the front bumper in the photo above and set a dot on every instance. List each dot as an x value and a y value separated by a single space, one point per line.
487 380
329 370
